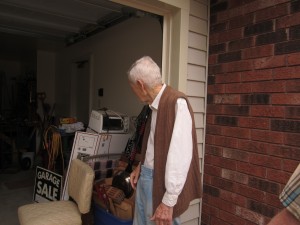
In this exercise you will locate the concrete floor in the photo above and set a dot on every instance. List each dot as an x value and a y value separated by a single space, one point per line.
16 189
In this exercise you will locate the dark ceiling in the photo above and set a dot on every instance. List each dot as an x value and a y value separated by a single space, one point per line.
66 20
25 24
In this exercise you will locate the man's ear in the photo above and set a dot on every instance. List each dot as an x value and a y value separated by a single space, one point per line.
141 85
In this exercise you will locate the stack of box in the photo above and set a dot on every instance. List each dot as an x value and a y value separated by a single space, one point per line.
111 205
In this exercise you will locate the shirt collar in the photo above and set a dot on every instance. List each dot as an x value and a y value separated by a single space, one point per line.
154 104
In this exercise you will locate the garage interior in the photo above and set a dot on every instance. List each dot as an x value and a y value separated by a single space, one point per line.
43 45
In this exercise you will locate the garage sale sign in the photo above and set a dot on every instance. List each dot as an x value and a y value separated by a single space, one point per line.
48 185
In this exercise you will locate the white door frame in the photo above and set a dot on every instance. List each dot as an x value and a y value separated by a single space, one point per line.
175 36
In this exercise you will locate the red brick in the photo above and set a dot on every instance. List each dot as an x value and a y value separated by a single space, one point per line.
205 219
292 112
222 204
211 109
213 39
293 86
256 99
264 185
257 5
290 165
267 111
278 176
288 21
250 215
254 170
208 209
215 69
270 62
206 178
218 48
213 129
286 73
286 99
212 170
235 154
231 218
269 86
238 88
221 162
228 78
240 21
217 221
233 197
230 35
227 99
285 152
274 38
249 192
271 12
210 119
243 65
234 176
206 198
236 110
226 141
216 89
209 139
257 123
213 150
266 161
261 208
226 120
258 52
227 14
267 136
293 59
209 159
212 59
292 139
235 4
229 57
247 222
253 146
257 75
273 200
236 132
241 43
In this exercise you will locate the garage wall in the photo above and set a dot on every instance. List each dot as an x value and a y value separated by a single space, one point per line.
46 74
112 53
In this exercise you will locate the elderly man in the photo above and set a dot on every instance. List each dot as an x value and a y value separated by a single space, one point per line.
168 176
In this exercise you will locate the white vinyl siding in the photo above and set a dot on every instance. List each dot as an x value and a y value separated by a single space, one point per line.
196 87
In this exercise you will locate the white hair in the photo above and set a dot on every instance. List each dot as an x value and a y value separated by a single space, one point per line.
146 70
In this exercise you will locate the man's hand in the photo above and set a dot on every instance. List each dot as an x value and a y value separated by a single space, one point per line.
134 176
163 215
284 218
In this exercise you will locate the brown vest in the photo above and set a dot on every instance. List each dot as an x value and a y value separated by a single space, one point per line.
162 138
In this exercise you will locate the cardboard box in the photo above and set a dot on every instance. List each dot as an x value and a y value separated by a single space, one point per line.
102 217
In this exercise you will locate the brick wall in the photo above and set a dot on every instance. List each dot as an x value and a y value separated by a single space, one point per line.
253 112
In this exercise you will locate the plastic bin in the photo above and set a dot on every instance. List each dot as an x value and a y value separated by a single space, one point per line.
101 217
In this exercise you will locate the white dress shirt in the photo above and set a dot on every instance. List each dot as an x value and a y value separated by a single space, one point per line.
180 151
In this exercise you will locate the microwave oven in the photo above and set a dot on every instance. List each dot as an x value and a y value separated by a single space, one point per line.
108 121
